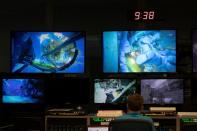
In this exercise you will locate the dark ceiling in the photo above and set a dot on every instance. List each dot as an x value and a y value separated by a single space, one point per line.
172 8
164 4
31 6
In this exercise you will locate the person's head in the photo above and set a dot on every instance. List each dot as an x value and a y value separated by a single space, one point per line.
135 103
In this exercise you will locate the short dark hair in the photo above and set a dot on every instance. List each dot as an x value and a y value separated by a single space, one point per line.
135 102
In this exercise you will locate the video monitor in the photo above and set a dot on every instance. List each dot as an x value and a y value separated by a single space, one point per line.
139 51
162 91
195 51
113 90
66 91
98 128
47 52
22 91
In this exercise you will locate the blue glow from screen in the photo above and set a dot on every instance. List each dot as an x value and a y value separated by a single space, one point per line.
139 51
22 91
48 52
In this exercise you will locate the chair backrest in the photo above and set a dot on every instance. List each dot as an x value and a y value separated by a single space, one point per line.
130 125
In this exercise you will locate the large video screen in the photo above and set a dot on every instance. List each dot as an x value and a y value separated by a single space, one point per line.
113 90
48 52
139 51
195 51
64 91
22 91
162 91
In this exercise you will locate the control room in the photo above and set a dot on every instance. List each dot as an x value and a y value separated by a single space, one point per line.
114 65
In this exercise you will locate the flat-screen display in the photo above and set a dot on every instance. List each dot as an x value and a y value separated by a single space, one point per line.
22 91
65 91
47 52
139 51
195 51
113 90
99 128
162 91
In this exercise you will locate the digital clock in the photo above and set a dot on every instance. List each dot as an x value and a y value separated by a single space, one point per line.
143 15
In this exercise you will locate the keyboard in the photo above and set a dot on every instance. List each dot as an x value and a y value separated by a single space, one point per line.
187 113
110 113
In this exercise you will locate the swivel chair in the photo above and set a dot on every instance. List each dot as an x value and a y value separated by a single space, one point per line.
130 125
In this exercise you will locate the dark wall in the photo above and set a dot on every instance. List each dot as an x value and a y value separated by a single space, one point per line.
94 17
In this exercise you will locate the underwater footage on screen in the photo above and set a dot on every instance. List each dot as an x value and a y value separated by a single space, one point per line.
139 51
48 52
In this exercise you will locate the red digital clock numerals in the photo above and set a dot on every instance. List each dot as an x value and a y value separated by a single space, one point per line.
144 15
137 15
151 15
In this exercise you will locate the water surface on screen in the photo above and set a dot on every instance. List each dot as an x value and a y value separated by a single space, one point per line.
23 90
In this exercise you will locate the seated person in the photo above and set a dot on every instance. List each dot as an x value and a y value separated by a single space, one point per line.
134 107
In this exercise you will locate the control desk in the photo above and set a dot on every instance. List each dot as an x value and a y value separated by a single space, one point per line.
161 123
100 123
187 121
91 122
